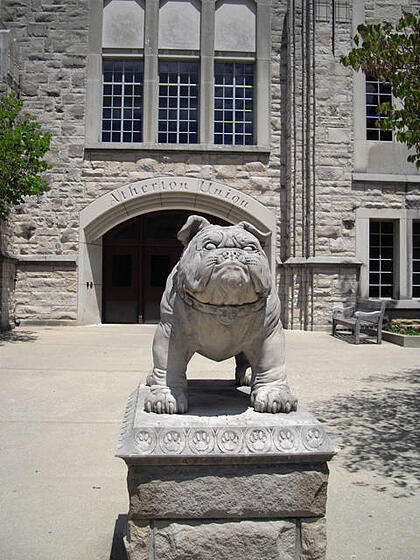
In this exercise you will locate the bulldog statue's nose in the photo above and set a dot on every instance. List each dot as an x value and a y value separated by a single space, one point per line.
231 255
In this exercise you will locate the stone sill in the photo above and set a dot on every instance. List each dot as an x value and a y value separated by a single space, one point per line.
133 146
321 261
47 258
385 178
406 340
6 257
402 304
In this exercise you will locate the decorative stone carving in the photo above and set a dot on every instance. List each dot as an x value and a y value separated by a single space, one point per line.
240 432
220 301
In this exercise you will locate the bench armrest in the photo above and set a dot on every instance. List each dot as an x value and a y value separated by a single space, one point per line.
344 311
371 316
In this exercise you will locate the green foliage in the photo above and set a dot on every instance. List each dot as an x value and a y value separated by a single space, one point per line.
393 55
22 148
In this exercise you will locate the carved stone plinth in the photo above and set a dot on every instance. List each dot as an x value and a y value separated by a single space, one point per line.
224 481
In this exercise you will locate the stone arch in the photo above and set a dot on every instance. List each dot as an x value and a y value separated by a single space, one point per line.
151 195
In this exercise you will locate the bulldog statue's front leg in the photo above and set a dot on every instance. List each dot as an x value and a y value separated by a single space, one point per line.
167 381
270 391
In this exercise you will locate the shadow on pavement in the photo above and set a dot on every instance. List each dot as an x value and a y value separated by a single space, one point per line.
377 430
349 337
17 336
117 549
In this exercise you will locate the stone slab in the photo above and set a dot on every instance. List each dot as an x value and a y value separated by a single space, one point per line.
313 538
244 491
225 540
213 540
220 425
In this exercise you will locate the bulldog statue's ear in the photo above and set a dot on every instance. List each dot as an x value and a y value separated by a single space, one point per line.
260 235
191 227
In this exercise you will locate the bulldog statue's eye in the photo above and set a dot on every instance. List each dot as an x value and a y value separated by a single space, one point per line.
209 246
249 248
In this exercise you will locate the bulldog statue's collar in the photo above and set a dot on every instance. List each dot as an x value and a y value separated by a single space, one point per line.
226 314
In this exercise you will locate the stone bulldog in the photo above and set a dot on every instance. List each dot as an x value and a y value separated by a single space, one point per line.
219 301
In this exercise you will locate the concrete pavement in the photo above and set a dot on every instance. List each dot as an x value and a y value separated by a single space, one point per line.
62 395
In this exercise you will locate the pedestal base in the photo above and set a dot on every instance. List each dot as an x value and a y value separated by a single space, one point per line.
223 481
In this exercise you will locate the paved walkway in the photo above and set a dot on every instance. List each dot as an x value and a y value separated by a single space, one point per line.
62 396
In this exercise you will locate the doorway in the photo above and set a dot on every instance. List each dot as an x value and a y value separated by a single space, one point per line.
138 256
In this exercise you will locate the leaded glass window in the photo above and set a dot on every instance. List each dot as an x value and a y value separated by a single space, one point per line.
233 103
178 102
381 259
122 101
416 259
377 92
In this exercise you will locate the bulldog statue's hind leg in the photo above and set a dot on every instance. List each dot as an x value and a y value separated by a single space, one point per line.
270 391
168 383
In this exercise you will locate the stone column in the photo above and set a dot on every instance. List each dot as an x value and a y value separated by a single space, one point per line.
224 481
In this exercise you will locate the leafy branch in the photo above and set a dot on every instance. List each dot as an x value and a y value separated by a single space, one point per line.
393 56
22 149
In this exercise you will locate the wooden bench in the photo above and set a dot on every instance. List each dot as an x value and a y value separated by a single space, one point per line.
366 316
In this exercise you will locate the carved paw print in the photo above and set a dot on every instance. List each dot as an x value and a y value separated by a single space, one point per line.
201 441
313 437
229 441
172 438
258 440
286 439
145 441
173 441
230 438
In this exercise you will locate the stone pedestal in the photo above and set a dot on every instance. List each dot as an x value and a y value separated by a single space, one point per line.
223 481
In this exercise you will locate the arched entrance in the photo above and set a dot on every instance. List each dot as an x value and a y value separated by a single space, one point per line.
138 256
185 194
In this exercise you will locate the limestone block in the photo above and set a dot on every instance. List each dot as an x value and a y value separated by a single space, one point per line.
225 540
314 538
228 491
137 540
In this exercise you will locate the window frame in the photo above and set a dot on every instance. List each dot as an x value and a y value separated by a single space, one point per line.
380 285
206 56
403 250
378 83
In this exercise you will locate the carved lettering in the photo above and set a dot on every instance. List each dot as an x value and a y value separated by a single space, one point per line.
164 184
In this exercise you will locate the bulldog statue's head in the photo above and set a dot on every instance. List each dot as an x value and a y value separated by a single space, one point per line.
223 265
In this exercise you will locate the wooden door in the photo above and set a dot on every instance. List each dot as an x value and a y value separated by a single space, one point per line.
121 285
157 264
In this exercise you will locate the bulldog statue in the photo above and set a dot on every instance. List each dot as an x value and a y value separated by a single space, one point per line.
220 301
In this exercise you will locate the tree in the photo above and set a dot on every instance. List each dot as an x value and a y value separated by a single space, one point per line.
22 148
393 55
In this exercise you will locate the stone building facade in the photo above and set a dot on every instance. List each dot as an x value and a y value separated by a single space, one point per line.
236 109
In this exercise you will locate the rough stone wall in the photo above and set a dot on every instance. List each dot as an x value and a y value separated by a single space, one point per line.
322 195
306 179
52 39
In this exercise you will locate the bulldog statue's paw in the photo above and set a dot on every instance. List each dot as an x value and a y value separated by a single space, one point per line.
164 400
273 399
243 376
